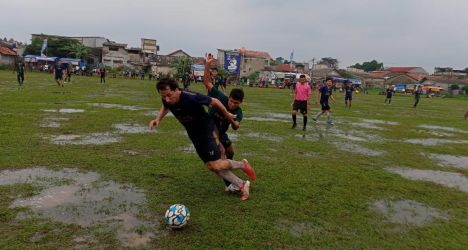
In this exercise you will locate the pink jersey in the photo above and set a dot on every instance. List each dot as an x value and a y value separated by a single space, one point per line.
302 91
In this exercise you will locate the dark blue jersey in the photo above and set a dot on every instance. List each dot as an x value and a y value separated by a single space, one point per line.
389 92
191 113
325 92
349 90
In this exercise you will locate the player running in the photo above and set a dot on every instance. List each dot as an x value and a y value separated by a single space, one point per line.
325 93
188 108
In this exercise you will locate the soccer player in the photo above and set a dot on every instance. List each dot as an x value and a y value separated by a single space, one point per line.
301 101
389 92
348 89
58 75
102 73
19 68
417 94
232 104
188 108
217 80
325 93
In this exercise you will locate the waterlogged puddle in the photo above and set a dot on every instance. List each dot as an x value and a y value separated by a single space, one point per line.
280 115
92 139
118 106
132 128
447 179
374 124
448 129
81 198
434 141
358 149
408 212
188 149
52 122
131 152
434 133
66 111
382 122
451 161
156 113
265 119
264 136
367 125
307 137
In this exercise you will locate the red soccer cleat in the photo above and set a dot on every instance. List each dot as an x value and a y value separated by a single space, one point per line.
249 170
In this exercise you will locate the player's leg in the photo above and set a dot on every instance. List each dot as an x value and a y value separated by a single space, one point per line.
293 114
304 115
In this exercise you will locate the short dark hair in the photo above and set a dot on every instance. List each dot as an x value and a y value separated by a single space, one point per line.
166 82
302 76
237 94
329 78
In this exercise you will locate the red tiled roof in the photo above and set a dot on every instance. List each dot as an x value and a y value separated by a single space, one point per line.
7 51
379 74
254 53
400 69
285 68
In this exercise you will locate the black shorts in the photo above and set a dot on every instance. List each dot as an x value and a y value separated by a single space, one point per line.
325 105
301 106
348 97
207 147
389 96
58 77
224 139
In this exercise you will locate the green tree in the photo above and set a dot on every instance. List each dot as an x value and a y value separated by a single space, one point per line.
331 62
369 66
183 66
466 70
279 60
77 50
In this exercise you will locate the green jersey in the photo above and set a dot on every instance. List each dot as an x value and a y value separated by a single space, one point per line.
219 119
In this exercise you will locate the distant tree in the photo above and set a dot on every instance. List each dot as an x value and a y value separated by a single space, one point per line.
331 62
60 47
369 66
183 66
466 70
285 62
77 50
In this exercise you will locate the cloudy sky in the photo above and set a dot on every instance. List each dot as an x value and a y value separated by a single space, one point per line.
425 33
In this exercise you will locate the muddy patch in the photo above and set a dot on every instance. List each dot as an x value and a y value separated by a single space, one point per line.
306 137
82 198
65 111
450 160
358 149
448 129
91 139
408 212
52 122
131 152
132 128
116 106
447 179
434 141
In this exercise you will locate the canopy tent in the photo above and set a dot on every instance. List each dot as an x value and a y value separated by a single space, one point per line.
34 58
72 61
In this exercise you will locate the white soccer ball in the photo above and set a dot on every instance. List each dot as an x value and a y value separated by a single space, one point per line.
177 216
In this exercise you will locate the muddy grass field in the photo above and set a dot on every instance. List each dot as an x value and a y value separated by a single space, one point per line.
80 169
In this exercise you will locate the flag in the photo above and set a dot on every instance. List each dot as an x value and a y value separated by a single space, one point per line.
291 56
44 47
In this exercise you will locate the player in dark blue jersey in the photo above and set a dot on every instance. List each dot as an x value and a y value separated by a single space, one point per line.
232 104
389 91
188 108
348 89
325 94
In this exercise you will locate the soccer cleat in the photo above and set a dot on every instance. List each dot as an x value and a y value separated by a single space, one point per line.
304 128
314 119
330 122
231 188
249 170
245 191
293 126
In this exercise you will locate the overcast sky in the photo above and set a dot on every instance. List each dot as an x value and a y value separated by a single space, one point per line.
425 33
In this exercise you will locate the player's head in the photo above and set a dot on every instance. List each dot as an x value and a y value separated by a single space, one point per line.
169 90
214 72
235 98
348 82
329 81
302 78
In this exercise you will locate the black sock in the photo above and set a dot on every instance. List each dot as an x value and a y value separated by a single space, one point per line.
305 121
294 119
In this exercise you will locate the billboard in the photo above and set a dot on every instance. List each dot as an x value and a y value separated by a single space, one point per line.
149 46
232 62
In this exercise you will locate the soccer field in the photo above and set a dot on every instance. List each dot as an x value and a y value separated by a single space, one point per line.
80 169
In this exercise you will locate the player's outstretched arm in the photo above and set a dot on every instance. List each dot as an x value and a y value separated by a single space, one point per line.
156 121
206 75
220 107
